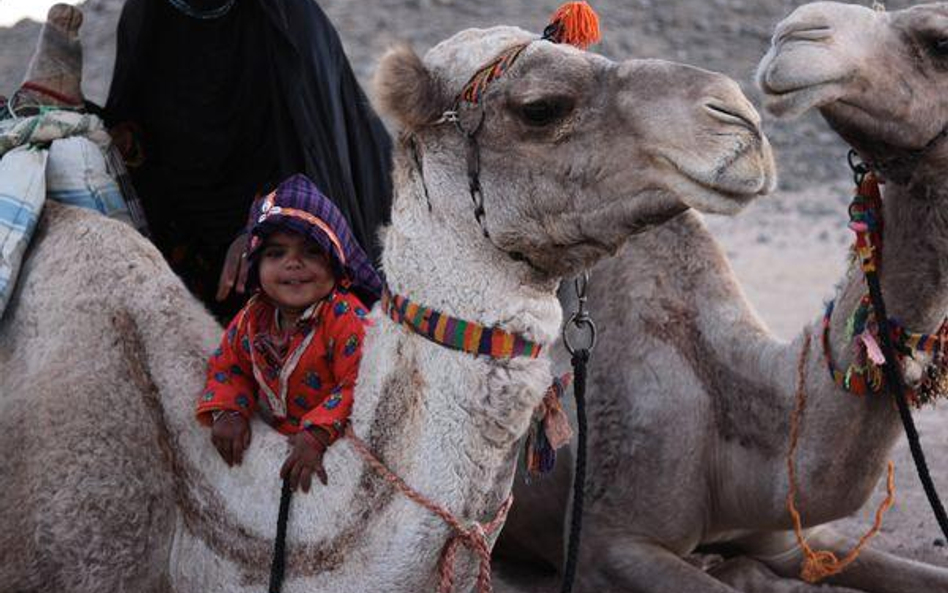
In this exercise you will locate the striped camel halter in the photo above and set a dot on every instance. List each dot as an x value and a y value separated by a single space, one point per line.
455 333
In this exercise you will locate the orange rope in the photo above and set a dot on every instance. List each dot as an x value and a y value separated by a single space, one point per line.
819 564
473 537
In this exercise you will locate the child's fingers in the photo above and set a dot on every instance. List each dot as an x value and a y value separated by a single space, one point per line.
287 467
223 448
247 437
237 450
295 475
242 276
226 281
321 474
306 478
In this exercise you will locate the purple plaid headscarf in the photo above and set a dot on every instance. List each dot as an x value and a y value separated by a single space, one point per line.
297 205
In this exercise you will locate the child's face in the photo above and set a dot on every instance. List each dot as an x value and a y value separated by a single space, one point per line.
294 271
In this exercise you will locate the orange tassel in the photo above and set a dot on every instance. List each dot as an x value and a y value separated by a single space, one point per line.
574 23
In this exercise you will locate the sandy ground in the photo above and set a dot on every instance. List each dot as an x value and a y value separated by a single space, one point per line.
788 250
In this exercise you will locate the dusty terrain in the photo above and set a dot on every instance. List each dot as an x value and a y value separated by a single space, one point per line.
788 250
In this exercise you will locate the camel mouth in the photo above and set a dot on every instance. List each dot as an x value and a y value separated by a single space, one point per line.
714 198
796 74
741 176
794 101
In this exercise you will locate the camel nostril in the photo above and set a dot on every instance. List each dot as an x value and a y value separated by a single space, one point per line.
733 114
803 32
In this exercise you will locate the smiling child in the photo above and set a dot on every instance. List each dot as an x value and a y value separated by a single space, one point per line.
292 354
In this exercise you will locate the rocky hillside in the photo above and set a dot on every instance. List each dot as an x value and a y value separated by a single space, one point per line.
729 36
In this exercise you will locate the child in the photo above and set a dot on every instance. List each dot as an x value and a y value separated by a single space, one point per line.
292 353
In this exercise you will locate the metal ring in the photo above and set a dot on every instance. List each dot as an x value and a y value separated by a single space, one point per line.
579 322
860 169
580 284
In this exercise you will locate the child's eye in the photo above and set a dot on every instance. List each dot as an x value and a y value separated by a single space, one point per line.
272 252
314 252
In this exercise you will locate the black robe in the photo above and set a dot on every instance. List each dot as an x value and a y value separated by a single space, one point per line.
230 107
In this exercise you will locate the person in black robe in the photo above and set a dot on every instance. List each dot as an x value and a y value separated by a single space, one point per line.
222 100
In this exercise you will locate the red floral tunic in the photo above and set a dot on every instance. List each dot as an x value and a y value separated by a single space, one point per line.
307 382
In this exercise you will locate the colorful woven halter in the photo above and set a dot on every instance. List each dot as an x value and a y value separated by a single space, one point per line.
574 23
455 333
864 375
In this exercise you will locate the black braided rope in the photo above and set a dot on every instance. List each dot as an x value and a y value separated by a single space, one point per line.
893 378
278 565
580 358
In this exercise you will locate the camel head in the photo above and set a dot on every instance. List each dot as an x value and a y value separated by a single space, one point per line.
576 152
879 79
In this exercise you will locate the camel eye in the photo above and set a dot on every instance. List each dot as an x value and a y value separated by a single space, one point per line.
940 46
545 111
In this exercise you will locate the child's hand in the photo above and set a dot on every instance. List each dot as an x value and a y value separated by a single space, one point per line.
231 435
305 459
234 273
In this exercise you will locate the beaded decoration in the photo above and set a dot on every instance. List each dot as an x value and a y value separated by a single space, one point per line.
864 375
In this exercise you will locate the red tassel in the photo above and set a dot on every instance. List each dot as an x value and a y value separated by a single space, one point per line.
574 23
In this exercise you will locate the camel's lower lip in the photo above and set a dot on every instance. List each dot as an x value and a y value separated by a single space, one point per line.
729 192
739 197
784 93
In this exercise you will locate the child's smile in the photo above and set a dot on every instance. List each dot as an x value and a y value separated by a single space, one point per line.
294 272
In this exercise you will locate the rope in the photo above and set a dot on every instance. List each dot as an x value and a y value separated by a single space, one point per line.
474 536
43 90
893 378
819 564
871 262
580 358
278 565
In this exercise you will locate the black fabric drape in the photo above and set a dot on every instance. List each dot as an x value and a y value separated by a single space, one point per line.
230 107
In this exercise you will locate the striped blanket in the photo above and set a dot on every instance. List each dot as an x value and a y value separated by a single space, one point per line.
59 155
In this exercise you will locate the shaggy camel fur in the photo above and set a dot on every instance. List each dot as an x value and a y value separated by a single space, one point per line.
109 485
691 397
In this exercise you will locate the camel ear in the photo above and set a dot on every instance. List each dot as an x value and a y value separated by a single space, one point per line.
406 91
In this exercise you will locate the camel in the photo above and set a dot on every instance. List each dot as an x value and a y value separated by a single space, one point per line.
110 485
691 397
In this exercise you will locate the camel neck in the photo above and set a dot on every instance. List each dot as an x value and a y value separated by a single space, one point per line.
915 287
914 274
450 266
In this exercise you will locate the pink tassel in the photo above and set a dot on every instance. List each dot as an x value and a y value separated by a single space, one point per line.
549 430
557 428
872 348
555 421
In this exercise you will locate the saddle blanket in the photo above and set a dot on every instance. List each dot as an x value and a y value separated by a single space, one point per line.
59 155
